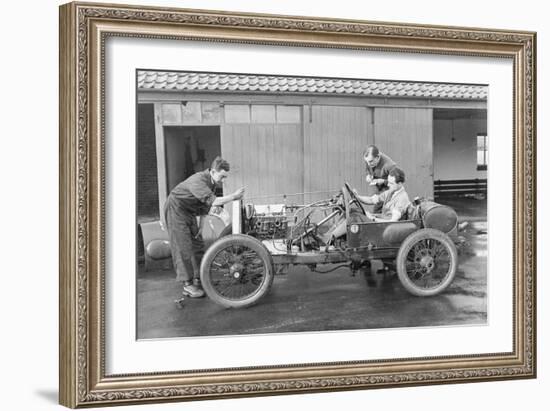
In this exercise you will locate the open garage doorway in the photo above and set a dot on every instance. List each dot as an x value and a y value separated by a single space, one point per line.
460 149
189 149
455 144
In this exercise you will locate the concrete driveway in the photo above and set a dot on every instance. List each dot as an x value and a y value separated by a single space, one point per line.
306 301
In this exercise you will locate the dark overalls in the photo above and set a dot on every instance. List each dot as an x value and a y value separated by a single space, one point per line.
189 199
381 170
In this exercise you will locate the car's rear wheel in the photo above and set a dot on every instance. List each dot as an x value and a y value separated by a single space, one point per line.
426 262
237 271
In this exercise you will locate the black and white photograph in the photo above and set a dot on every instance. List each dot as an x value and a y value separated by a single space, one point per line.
272 205
284 204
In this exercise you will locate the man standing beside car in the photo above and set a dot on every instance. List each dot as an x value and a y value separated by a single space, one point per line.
378 167
188 200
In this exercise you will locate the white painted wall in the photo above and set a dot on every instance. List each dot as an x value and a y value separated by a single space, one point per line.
455 155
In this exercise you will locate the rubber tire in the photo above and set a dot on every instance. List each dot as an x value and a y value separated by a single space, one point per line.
210 255
413 238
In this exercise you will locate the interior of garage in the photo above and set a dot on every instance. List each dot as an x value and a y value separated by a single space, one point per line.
455 143
189 149
460 160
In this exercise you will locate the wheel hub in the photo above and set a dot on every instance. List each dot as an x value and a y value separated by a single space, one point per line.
427 262
236 270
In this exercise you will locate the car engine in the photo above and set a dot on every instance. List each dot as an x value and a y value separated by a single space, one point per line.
268 222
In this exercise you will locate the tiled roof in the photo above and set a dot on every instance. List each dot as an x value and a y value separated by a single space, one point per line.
240 83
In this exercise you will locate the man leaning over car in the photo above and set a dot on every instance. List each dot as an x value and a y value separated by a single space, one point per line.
189 199
377 166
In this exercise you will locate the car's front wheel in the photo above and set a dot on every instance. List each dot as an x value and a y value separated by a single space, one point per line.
236 271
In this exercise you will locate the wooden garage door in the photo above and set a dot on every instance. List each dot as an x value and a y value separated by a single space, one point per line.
267 159
406 135
334 140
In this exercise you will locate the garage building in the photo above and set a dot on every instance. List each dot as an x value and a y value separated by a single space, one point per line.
297 139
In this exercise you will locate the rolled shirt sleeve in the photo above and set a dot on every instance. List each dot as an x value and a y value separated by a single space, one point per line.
380 198
203 193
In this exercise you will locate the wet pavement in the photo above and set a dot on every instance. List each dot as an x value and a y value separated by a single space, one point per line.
307 301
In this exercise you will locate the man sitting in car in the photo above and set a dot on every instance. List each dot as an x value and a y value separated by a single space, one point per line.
394 201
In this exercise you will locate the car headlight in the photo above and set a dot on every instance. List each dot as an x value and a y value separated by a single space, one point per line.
354 228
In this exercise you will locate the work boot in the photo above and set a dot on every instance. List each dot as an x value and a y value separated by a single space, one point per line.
193 291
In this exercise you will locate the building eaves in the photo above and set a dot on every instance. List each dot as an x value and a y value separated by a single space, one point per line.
244 83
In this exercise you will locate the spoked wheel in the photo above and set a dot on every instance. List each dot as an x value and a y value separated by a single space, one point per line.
427 262
236 271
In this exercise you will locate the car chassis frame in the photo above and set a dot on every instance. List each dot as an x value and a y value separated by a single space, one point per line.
412 247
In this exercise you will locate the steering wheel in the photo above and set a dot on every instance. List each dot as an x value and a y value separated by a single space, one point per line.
354 198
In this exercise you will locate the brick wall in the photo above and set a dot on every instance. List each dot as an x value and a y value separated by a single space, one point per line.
147 183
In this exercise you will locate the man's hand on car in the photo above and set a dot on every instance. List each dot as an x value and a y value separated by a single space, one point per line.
237 195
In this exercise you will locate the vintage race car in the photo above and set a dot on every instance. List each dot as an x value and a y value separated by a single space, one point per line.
237 270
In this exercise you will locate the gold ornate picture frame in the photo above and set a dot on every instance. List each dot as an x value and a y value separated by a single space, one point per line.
84 29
